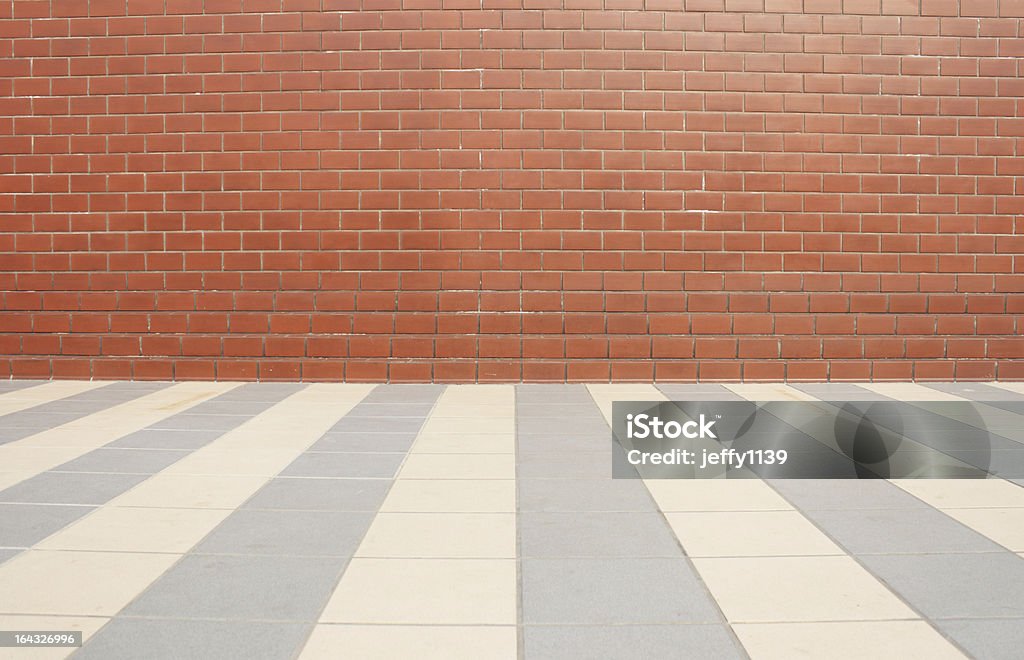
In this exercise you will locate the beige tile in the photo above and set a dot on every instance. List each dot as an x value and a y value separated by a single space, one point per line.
848 640
191 491
215 459
477 393
715 495
909 392
473 410
605 395
33 460
1004 526
87 625
964 493
749 534
1009 386
23 399
458 466
425 591
446 535
137 530
764 589
467 443
469 425
71 582
421 642
768 392
451 496
10 478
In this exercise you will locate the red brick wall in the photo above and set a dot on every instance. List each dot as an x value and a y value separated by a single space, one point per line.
512 189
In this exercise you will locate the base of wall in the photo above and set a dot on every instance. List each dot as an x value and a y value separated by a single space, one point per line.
510 371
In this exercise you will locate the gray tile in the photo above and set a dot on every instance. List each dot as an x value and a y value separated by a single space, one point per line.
613 591
71 488
843 494
404 393
135 461
955 585
192 421
580 426
14 385
365 442
24 525
265 392
247 587
224 406
561 443
584 495
391 409
596 535
890 531
976 391
378 424
7 553
119 392
992 639
321 464
285 493
558 409
552 393
287 533
698 392
167 439
629 642
173 639
563 465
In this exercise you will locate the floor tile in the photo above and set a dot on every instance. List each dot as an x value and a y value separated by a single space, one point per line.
845 494
749 534
1004 526
25 525
287 533
446 535
134 461
451 496
187 440
425 591
633 534
366 466
584 495
88 625
476 443
715 495
83 583
458 466
610 591
70 488
288 493
564 465
172 639
847 640
965 493
992 639
891 531
136 530
422 642
364 442
629 642
766 589
232 587
191 491
955 585
7 553
369 425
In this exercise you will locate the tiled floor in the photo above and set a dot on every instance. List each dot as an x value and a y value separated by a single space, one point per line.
222 520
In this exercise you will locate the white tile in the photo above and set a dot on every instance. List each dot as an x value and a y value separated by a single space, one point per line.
425 591
136 530
749 534
72 582
451 496
964 493
848 640
458 466
445 535
715 495
763 589
191 491
421 642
